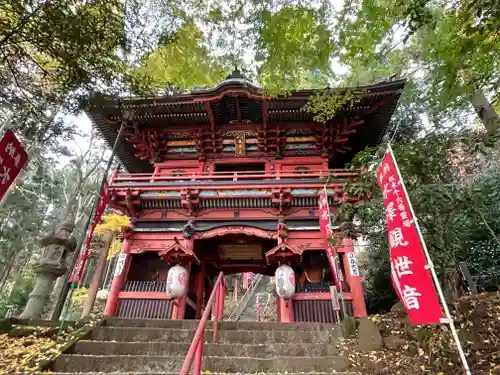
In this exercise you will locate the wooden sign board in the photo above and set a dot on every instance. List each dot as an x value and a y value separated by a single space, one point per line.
240 252
335 298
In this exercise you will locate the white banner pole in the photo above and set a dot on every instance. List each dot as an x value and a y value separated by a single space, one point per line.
336 263
430 266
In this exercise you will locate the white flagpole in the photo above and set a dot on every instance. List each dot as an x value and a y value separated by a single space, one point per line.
430 266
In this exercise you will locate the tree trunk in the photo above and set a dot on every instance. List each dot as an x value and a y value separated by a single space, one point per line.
89 271
6 271
99 271
109 270
486 112
56 291
64 292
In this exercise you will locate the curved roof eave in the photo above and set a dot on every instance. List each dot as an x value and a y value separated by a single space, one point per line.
104 112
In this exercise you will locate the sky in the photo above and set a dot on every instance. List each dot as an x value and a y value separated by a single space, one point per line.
84 126
83 123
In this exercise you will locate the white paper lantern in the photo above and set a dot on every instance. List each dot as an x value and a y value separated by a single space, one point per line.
176 281
285 281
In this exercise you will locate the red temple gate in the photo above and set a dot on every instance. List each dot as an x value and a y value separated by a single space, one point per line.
226 179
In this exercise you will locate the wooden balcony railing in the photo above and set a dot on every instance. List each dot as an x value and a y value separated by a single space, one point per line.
138 178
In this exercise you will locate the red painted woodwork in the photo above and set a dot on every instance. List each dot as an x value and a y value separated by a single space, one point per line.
144 308
186 183
178 253
319 296
153 295
354 282
250 177
240 229
117 283
285 310
317 307
283 253
181 142
218 215
144 295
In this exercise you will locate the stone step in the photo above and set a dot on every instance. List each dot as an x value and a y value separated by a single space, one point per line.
133 334
224 325
228 350
217 373
154 364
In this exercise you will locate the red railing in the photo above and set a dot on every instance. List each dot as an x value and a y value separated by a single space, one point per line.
195 351
231 176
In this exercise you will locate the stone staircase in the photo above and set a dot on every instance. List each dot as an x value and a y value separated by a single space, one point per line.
249 313
158 347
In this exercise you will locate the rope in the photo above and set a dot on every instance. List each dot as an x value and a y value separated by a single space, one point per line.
394 133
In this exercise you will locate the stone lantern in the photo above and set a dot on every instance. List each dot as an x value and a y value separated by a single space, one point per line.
51 265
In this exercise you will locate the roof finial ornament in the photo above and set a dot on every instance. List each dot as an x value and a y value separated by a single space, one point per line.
235 74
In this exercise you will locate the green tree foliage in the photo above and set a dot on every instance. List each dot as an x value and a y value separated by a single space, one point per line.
452 186
13 301
182 61
53 52
28 213
449 56
294 46
282 45
46 194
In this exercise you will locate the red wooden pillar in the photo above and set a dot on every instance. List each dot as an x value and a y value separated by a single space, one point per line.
119 278
285 310
353 278
199 285
179 309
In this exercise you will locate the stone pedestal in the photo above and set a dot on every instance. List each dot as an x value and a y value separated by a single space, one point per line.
51 265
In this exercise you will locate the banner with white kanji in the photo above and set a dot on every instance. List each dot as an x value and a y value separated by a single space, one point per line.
325 227
410 276
247 279
13 158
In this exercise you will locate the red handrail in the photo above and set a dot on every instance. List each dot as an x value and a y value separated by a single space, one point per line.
196 347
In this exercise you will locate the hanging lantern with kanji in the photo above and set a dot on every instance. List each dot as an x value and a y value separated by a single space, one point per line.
285 281
177 281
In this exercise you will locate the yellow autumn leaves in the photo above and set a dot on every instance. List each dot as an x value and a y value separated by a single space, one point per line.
115 224
112 223
22 354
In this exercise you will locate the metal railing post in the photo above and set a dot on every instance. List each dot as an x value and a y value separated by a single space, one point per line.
216 313
222 293
238 310
199 355
194 348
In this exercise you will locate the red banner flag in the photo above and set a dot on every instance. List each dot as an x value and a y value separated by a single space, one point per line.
13 158
325 226
247 279
76 275
410 276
